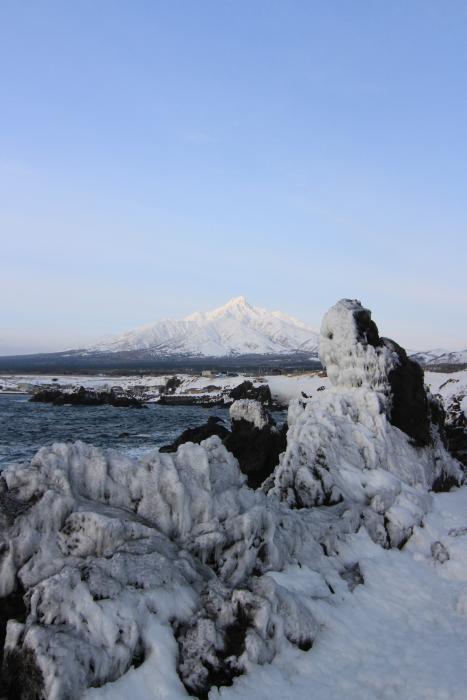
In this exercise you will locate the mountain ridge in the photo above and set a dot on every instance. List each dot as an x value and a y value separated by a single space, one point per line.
439 356
235 332
236 328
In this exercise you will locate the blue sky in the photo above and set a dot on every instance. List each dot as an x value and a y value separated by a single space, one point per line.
162 157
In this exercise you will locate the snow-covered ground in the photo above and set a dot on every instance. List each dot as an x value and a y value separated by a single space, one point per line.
447 385
400 636
284 387
26 382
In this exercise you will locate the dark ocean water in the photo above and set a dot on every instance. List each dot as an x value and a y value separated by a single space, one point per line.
25 426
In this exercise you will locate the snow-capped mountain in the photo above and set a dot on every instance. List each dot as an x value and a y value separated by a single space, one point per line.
237 328
440 356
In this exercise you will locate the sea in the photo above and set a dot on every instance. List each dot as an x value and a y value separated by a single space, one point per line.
26 426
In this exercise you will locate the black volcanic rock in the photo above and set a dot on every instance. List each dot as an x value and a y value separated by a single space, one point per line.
22 678
409 403
456 429
85 397
203 400
257 449
12 607
409 408
171 385
246 390
198 434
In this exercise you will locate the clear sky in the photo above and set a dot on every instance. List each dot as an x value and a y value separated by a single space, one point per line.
161 157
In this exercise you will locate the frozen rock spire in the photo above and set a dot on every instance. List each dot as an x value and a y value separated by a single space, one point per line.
355 356
350 348
369 441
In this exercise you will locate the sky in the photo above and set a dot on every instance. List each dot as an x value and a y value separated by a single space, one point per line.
161 157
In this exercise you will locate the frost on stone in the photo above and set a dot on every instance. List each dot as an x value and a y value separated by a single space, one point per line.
106 546
255 440
345 445
101 542
250 411
349 349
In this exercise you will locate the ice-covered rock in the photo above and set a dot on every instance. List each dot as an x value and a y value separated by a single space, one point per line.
213 426
355 356
255 440
350 348
107 548
349 444
247 390
456 426
80 396
251 411
100 543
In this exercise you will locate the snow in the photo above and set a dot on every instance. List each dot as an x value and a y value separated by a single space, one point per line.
447 385
251 411
400 636
440 356
343 577
341 445
233 329
284 387
350 361
102 542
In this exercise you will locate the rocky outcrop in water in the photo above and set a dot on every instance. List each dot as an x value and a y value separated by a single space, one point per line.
202 400
254 439
213 426
246 390
85 397
213 395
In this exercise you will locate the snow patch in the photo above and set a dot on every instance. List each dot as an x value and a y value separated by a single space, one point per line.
251 411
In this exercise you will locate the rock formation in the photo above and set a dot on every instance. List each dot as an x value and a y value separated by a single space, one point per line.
246 390
117 558
255 440
213 426
369 441
85 397
456 428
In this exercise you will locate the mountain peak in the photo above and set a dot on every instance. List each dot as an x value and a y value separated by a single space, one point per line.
236 301
237 328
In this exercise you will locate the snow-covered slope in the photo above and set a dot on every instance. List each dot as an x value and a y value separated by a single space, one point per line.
237 328
440 356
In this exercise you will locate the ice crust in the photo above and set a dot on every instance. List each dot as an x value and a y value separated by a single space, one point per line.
107 540
113 551
250 411
341 445
350 360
